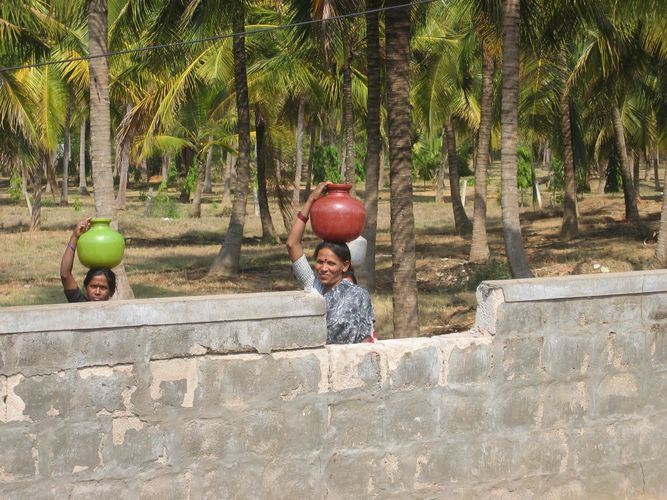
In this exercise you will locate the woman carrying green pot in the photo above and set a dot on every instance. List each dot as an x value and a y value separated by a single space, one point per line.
99 283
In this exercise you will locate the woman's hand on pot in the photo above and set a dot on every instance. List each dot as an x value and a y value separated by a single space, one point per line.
319 190
81 227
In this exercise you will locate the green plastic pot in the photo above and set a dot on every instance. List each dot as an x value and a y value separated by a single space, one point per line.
100 246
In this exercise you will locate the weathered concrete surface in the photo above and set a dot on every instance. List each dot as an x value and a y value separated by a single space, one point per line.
560 391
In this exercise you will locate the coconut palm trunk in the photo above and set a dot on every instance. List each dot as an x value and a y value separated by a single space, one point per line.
373 143
569 229
440 180
199 188
64 191
264 156
404 279
309 166
348 119
298 163
227 182
635 173
83 185
631 211
228 260
479 246
660 255
36 214
654 160
208 170
509 130
123 158
461 221
100 128
50 168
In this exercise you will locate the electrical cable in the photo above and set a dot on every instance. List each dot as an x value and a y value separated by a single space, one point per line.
214 38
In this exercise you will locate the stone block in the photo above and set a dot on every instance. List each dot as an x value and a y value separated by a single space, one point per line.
46 397
18 453
42 353
618 394
653 477
541 453
652 437
624 481
102 390
627 351
195 440
565 404
517 407
252 380
658 346
533 319
656 389
471 364
350 475
470 411
173 382
360 368
521 358
165 487
567 357
593 447
494 458
33 490
583 315
559 488
356 423
419 368
134 444
70 448
283 429
654 308
413 415
260 478
105 489
628 436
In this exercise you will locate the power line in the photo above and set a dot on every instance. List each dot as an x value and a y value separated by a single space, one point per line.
214 38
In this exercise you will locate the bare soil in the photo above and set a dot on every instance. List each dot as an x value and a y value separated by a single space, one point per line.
170 256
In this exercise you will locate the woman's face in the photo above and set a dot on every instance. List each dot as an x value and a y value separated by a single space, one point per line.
98 288
329 268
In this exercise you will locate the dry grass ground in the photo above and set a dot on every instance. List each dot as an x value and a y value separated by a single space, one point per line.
171 256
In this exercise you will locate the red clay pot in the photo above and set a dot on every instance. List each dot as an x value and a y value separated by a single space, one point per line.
337 216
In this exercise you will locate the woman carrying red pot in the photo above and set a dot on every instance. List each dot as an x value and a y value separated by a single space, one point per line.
349 308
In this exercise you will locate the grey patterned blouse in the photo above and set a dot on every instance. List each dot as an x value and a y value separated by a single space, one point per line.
349 308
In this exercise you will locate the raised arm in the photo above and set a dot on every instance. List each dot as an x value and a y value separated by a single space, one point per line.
67 262
295 237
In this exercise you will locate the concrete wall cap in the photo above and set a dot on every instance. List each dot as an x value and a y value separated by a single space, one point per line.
583 285
160 311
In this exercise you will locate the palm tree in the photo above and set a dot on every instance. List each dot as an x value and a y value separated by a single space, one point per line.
444 91
461 222
373 140
228 260
404 280
486 24
479 246
100 126
509 125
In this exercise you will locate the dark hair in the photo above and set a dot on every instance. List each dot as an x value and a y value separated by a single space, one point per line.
350 274
107 273
341 250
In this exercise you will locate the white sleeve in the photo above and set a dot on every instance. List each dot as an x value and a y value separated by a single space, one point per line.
305 274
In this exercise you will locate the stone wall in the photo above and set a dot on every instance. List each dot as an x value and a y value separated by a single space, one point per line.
559 391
